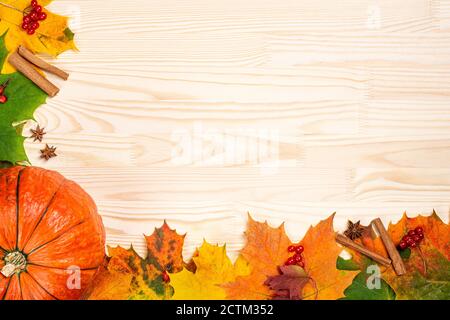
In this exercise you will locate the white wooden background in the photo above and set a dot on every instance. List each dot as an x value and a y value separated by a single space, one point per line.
355 96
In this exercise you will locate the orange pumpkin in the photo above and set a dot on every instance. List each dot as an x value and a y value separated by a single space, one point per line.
51 236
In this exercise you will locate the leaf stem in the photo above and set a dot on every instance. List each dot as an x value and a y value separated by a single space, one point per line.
424 262
9 6
316 290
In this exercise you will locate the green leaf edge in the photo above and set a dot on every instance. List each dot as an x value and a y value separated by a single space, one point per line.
5 163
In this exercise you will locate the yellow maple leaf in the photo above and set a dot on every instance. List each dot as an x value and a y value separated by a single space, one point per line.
213 268
52 37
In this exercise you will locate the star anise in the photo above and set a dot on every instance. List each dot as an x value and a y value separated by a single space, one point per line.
354 230
38 133
48 152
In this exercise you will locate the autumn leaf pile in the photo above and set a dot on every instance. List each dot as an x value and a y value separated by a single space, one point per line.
259 271
53 37
427 266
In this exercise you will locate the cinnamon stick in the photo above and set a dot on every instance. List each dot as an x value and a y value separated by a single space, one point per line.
38 62
397 261
341 239
28 71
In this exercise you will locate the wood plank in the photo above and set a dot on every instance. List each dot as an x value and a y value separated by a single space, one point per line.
244 148
349 100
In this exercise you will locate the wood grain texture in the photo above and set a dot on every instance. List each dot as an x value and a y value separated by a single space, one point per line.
200 111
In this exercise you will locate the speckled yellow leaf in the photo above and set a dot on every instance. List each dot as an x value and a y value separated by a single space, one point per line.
126 276
213 269
52 37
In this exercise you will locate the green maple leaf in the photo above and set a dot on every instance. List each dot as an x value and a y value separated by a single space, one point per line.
358 290
342 264
24 97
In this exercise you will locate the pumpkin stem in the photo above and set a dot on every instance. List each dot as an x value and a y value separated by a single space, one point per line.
15 262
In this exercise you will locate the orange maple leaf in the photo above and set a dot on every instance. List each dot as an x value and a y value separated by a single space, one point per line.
321 253
265 250
165 248
435 230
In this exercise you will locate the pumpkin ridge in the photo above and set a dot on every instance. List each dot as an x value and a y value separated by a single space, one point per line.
7 288
43 213
13 292
8 181
20 286
56 238
32 290
42 287
57 268
19 175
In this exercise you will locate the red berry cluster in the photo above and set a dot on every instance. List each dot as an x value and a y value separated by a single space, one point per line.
30 21
297 258
3 97
411 239
165 276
